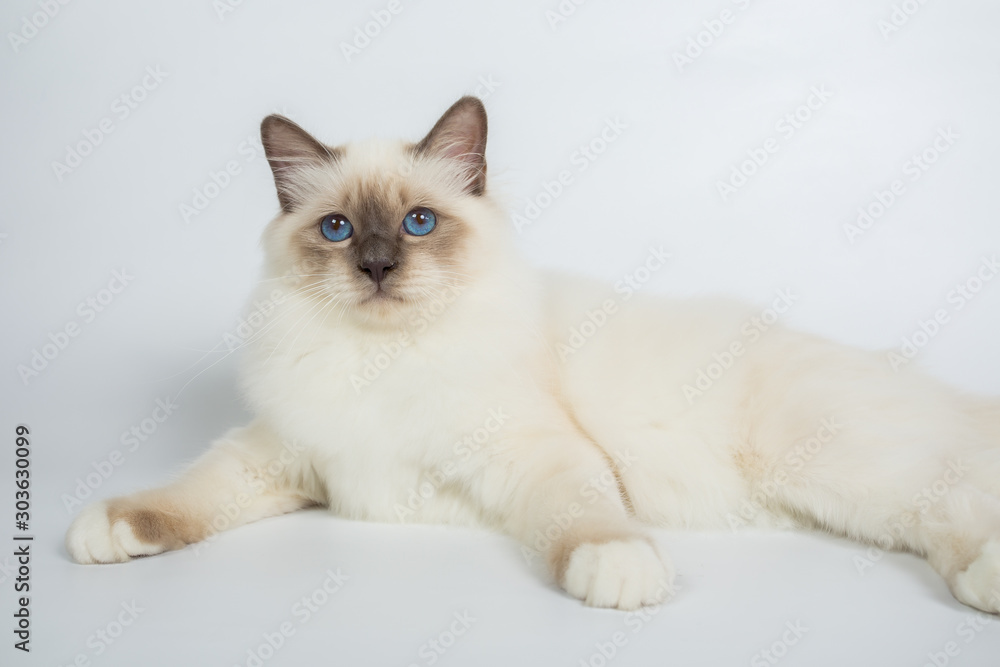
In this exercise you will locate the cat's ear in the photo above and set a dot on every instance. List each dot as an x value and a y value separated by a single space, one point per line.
289 149
460 135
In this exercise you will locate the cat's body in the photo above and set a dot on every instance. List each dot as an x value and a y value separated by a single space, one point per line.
424 374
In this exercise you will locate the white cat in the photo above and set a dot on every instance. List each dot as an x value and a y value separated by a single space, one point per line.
413 369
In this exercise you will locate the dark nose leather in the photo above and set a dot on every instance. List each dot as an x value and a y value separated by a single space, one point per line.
376 269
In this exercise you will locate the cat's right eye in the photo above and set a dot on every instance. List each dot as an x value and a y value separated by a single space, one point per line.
336 227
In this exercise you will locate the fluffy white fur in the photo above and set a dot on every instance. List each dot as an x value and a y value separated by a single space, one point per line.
478 413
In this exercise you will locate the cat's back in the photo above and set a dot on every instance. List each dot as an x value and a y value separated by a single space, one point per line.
588 322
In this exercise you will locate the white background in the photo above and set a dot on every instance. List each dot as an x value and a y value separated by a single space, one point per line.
554 88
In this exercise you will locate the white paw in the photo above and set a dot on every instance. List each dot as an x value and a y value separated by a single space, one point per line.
93 539
979 585
621 574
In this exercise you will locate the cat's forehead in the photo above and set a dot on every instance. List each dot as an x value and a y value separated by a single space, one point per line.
381 159
380 174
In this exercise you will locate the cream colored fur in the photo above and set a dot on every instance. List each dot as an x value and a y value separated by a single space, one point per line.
480 412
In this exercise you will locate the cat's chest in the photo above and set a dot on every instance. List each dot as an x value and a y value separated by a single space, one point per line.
383 399
388 443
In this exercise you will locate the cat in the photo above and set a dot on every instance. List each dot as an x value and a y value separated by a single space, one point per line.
413 369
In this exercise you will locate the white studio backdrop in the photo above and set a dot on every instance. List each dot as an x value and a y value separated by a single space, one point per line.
843 152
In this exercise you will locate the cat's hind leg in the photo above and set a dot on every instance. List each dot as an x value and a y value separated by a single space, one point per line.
860 487
245 476
975 578
962 542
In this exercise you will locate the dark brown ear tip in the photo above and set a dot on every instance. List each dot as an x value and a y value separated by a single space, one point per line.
275 121
270 122
471 102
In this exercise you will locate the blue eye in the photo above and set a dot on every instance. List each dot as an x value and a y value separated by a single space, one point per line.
336 227
419 221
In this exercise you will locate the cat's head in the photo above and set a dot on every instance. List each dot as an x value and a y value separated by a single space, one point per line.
378 228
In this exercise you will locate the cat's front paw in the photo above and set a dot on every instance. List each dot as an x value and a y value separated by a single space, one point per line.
979 584
623 574
95 538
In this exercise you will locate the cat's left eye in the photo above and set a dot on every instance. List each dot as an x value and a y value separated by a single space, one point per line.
419 222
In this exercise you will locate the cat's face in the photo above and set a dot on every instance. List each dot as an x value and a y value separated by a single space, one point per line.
376 229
